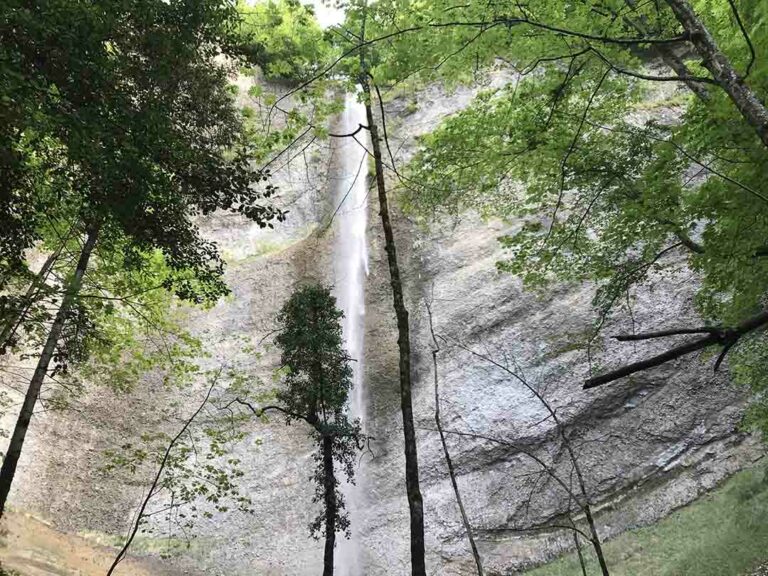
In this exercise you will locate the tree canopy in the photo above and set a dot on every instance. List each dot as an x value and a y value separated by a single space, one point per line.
122 130
284 38
617 144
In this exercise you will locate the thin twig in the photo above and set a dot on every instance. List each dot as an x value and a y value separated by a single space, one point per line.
137 522
448 460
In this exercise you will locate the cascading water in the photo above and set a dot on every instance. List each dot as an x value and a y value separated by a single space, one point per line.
351 271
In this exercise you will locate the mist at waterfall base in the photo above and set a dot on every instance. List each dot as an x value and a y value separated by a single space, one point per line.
351 271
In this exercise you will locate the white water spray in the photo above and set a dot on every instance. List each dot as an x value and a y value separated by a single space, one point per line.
351 271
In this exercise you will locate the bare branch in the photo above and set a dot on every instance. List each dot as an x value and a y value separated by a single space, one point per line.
665 333
726 337
141 513
351 134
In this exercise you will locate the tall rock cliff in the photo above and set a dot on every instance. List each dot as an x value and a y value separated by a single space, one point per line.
647 445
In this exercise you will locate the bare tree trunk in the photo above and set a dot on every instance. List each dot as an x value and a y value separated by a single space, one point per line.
721 68
330 505
580 553
596 544
575 532
11 460
448 461
596 539
415 502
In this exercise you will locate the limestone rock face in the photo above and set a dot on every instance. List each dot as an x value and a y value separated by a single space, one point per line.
646 445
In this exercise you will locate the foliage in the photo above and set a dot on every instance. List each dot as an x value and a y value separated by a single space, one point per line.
599 190
133 102
722 533
319 376
140 330
122 123
599 187
124 325
284 38
748 369
198 472
119 122
130 100
282 129
317 383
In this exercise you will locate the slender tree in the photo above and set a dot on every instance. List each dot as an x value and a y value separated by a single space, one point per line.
8 469
195 465
413 489
317 381
358 60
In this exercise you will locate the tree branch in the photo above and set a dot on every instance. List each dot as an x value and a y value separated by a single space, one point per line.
746 38
726 337
123 551
351 134
665 333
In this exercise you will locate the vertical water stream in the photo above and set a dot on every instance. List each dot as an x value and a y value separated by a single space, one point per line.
351 271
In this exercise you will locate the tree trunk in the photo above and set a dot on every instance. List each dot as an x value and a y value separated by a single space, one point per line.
415 502
330 505
8 469
721 68
596 539
582 564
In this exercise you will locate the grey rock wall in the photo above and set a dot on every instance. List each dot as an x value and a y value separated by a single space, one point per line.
647 445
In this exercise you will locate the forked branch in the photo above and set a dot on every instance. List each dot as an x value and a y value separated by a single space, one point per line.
725 337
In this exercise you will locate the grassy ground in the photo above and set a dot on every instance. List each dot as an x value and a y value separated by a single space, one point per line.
725 533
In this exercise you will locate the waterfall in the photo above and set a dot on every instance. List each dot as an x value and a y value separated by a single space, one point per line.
351 271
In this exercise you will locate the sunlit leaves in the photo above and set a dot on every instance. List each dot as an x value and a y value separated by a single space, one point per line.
284 39
604 182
